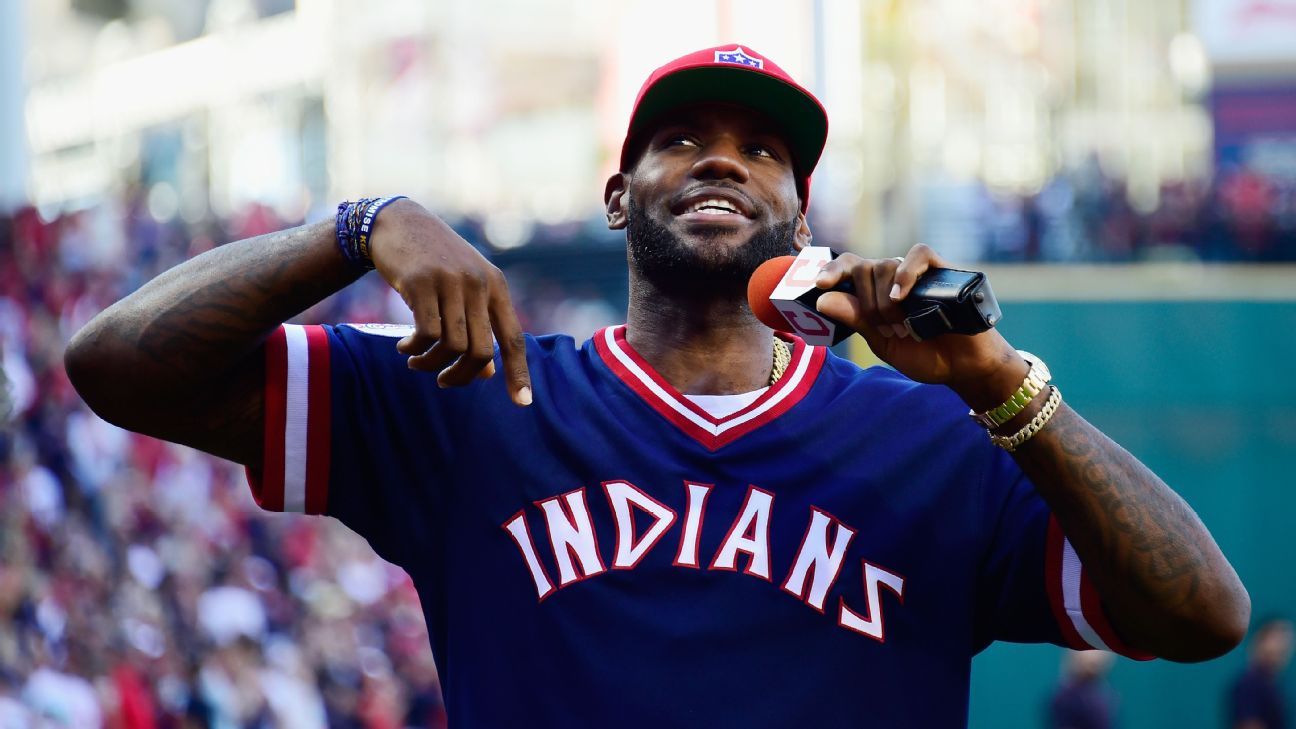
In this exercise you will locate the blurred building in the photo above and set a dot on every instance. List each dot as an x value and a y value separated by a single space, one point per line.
214 105
954 123
1002 97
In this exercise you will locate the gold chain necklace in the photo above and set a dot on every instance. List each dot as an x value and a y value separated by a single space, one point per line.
782 358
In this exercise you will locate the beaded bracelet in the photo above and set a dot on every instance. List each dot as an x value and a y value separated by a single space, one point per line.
1012 442
355 221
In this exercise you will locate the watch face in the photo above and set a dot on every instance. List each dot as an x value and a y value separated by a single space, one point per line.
1037 364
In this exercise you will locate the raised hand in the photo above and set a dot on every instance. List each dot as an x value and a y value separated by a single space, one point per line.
981 367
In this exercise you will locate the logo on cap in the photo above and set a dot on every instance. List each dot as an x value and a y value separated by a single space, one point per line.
739 57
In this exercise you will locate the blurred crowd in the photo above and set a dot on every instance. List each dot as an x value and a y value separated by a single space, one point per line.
140 587
1253 699
1089 215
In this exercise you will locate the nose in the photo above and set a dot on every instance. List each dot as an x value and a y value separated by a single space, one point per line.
721 159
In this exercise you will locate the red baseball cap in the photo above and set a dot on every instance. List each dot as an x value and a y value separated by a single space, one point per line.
736 74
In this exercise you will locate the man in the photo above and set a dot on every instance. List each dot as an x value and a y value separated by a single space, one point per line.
686 521
1256 701
1083 698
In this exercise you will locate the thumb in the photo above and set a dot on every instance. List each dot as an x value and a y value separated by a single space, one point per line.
845 309
841 307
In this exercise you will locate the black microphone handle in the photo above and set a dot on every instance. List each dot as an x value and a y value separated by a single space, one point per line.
934 305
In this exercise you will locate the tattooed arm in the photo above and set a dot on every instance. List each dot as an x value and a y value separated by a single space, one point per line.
1165 585
181 358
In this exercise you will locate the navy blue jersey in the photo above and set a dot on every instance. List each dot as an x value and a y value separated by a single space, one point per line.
833 554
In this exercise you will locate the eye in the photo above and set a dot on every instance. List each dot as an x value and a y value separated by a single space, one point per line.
679 140
762 150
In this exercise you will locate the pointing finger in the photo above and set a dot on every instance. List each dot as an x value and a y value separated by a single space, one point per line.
512 345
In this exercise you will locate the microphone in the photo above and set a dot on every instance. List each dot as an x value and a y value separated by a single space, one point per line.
782 294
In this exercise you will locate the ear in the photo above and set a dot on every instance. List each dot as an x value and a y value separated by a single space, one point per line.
803 236
616 200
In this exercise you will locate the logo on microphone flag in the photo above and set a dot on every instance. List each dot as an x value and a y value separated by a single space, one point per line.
795 298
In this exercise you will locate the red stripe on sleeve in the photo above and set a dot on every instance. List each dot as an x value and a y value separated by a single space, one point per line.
268 487
319 420
1053 585
1091 605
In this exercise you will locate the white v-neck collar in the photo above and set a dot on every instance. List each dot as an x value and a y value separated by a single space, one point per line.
712 432
722 406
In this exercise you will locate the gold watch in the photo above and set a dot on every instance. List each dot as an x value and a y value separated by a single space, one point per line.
1037 378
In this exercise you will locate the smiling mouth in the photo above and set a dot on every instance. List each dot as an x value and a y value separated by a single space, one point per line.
712 206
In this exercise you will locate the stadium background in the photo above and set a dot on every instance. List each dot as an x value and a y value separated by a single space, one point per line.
1125 171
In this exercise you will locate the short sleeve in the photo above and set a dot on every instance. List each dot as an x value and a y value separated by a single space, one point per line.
1032 587
352 433
298 399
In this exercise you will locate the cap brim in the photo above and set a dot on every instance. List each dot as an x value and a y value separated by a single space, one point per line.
804 122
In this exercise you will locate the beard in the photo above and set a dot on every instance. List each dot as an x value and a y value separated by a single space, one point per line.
669 263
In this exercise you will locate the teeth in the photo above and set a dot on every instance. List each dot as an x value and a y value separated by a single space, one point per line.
712 206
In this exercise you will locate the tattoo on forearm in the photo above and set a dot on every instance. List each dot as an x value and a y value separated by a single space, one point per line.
1147 534
190 332
188 338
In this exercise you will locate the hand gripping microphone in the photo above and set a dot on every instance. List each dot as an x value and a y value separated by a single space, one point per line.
782 294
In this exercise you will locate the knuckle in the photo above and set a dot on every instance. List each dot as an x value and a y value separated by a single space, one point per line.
456 340
515 342
418 282
474 280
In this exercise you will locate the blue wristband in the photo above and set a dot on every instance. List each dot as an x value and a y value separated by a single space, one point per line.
346 213
367 219
340 230
354 226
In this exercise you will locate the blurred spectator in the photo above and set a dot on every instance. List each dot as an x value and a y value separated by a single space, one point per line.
1084 699
1256 700
1087 215
140 587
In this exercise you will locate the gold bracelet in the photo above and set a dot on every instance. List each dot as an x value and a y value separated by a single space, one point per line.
1012 442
